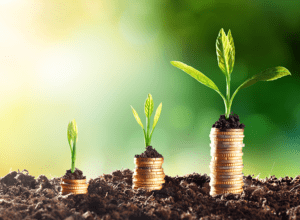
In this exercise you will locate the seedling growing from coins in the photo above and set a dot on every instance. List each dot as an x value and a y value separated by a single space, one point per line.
149 105
73 138
226 57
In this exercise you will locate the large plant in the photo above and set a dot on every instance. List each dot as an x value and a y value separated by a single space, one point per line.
226 57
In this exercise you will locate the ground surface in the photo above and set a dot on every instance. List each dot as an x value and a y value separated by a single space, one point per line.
111 197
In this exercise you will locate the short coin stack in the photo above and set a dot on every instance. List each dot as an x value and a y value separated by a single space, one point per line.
227 164
74 186
148 173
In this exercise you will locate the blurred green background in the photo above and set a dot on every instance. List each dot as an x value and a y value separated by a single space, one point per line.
91 60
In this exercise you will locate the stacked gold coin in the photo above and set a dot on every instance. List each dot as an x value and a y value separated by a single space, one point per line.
148 173
227 164
74 186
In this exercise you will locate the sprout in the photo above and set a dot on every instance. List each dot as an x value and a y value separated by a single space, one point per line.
226 57
72 138
148 112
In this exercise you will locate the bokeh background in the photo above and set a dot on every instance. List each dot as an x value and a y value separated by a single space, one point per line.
91 60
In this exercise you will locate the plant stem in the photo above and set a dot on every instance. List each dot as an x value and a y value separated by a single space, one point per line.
227 97
148 126
73 157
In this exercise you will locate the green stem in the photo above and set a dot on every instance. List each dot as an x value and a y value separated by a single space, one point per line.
227 97
73 157
148 126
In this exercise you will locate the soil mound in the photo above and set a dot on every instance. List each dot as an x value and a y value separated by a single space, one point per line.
149 153
233 122
77 175
111 197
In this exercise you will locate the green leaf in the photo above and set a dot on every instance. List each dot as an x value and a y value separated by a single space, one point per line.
224 53
196 74
157 115
267 75
135 114
72 132
149 105
232 51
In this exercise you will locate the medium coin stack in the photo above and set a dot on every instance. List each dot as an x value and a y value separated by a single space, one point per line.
148 173
227 164
74 186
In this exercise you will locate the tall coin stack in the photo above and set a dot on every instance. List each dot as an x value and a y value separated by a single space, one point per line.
148 173
227 164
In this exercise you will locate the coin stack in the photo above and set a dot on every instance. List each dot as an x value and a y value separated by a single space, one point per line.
74 186
227 164
148 173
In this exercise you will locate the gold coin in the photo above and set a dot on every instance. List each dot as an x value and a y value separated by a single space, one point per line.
215 166
224 145
147 180
148 188
227 187
223 161
148 166
228 182
149 162
212 151
75 192
212 193
230 149
239 155
213 179
214 163
149 170
83 181
227 130
148 176
148 159
78 186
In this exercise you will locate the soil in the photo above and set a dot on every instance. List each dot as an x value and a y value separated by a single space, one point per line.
233 122
77 175
111 197
149 153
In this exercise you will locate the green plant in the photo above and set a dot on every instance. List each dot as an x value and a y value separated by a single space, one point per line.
73 138
149 105
226 57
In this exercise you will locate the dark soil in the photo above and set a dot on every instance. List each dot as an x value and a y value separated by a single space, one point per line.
233 122
149 153
111 197
77 175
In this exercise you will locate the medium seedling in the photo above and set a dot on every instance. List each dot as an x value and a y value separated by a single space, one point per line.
149 105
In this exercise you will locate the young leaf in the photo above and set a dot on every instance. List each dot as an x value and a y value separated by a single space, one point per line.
224 53
149 105
267 75
137 118
231 64
195 74
156 117
72 132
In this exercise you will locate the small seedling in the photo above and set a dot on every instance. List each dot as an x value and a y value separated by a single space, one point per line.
73 138
149 105
226 57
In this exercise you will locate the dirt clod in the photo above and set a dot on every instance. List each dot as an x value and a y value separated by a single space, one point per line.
77 175
111 196
149 153
233 122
